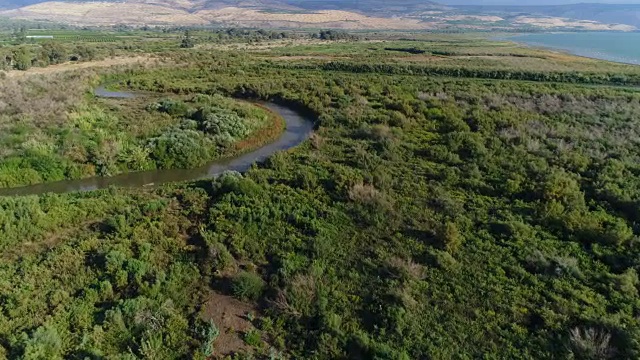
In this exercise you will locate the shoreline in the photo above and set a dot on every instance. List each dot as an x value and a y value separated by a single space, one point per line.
560 49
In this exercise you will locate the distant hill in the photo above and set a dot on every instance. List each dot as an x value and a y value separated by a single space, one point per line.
346 14
368 6
395 7
628 14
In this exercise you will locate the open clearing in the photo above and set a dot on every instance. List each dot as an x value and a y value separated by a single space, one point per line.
230 315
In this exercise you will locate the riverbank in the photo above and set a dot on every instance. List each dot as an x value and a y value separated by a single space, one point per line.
275 126
297 128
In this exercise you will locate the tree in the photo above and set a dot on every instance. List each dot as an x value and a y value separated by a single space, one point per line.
45 343
450 237
247 286
187 41
84 53
20 34
22 58
591 343
54 53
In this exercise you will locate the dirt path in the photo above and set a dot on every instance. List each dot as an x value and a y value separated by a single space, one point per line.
55 69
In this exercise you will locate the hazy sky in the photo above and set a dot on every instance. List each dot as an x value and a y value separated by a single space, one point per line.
532 2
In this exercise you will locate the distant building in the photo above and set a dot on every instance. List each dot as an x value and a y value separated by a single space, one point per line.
39 36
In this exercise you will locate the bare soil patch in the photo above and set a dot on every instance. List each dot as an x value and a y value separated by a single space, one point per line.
229 315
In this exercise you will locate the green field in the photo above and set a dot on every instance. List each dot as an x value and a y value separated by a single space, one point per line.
460 198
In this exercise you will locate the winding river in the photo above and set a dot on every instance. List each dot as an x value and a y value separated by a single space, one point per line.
298 129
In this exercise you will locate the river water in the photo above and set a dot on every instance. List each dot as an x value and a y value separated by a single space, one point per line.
298 129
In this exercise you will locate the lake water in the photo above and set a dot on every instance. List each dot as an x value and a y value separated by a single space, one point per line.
612 46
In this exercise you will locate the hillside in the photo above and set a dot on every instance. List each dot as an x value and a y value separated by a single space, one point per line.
363 5
370 6
347 14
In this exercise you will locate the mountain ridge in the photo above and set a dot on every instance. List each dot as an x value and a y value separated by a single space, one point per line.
347 14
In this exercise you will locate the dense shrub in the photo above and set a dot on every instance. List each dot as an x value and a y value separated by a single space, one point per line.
221 123
247 286
178 148
172 107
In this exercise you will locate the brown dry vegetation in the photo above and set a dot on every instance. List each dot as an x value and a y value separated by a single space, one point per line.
38 100
325 18
262 136
41 97
70 66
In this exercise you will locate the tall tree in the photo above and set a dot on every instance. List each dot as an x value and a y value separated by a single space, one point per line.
187 41
22 58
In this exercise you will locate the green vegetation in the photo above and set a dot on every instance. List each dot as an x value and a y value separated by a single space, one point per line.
210 334
433 214
247 286
210 125
107 137
187 41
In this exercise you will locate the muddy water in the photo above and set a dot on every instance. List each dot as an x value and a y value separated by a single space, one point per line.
297 130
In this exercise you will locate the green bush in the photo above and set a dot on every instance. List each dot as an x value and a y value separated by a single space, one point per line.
209 335
252 338
171 107
247 286
177 148
220 122
221 257
44 344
